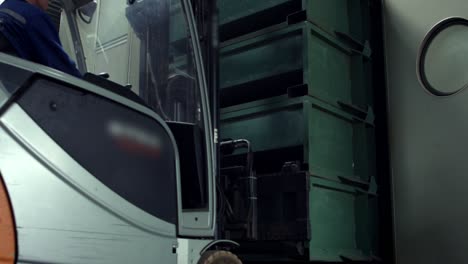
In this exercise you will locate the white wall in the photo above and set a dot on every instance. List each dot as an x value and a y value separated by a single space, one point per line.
429 142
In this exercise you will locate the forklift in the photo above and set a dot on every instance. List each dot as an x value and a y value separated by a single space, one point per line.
120 166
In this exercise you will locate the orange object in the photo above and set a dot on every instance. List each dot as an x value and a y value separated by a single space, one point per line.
7 228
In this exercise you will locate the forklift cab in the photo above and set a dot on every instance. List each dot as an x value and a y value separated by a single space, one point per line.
148 51
130 152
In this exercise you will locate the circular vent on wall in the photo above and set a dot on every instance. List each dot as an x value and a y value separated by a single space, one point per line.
442 65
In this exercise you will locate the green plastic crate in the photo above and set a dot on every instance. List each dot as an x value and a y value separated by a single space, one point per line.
333 219
266 65
350 17
341 222
334 142
230 11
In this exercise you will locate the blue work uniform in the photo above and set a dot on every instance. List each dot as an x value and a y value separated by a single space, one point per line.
33 36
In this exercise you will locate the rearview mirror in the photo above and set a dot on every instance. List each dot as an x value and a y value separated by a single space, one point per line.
442 65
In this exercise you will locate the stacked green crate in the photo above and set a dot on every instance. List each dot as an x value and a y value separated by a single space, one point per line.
301 57
337 146
334 141
303 83
344 16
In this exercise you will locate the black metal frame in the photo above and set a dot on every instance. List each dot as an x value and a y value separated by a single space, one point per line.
385 215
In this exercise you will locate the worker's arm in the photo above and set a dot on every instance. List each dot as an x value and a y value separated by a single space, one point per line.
49 48
33 36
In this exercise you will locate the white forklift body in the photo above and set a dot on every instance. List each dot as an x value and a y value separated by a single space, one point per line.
95 174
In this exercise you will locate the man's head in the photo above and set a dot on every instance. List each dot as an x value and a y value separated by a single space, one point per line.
42 4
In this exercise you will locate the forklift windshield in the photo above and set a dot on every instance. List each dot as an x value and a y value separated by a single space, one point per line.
150 47
144 45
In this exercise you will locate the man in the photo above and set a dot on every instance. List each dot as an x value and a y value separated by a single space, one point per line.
32 35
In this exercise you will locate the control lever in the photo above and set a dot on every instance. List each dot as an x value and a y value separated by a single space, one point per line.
104 75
